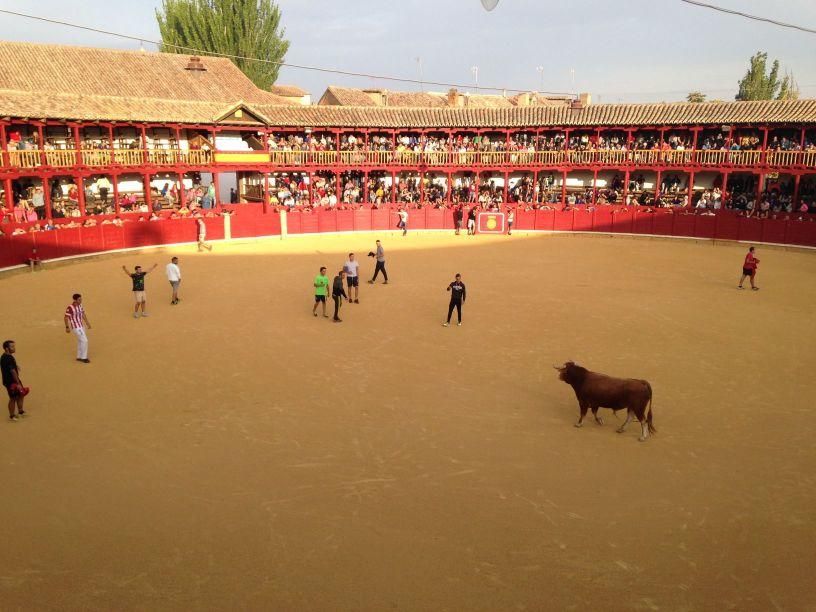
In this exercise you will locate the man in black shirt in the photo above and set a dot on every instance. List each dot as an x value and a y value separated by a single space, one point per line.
338 293
137 276
11 380
458 295
457 218
471 224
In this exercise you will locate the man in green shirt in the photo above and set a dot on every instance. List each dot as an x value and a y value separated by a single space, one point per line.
321 284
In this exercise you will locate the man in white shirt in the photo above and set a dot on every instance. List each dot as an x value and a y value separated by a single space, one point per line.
77 321
352 278
403 220
174 276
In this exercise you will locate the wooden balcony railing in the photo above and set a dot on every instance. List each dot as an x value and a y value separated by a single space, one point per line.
67 158
25 159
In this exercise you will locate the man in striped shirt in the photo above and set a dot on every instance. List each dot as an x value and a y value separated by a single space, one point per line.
77 321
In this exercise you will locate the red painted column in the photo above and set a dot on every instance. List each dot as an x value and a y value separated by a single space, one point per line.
625 185
393 187
690 189
217 188
595 187
563 187
724 186
694 140
448 194
266 192
80 183
41 140
9 195
77 145
4 156
115 182
311 188
181 193
110 145
506 187
760 177
763 158
421 188
365 176
796 180
47 197
178 145
146 187
801 154
145 157
658 180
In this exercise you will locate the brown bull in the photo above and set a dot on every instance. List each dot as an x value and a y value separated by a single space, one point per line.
595 391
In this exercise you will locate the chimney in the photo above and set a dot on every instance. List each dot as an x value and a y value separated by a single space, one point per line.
195 64
453 97
585 98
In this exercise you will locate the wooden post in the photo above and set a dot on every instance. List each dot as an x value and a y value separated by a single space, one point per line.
724 186
147 197
217 184
506 193
181 192
41 137
449 195
759 176
625 185
145 158
365 176
47 197
80 183
563 187
117 209
690 189
4 156
658 180
393 187
763 157
9 195
77 145
112 159
796 180
265 192
595 186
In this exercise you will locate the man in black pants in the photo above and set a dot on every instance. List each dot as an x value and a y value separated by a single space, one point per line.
338 293
458 295
380 267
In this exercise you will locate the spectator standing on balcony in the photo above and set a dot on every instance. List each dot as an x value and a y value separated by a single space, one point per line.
749 268
174 276
379 255
233 196
38 201
103 185
403 220
76 321
138 276
338 293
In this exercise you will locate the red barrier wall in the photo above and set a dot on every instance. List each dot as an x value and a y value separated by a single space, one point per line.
249 221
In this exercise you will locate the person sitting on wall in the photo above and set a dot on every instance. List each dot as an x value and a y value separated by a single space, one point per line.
89 223
154 217
18 232
35 228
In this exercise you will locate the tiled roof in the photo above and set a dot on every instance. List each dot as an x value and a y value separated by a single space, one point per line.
347 96
714 113
288 91
61 82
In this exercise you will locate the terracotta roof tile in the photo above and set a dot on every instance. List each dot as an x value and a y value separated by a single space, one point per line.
288 91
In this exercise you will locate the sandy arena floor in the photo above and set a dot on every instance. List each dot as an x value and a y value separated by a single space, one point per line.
235 453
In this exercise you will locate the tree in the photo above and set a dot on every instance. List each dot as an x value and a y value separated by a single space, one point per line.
759 84
245 28
696 97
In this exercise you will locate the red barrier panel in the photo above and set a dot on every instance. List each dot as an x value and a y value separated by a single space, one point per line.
801 232
561 221
92 241
683 225
750 229
309 223
727 226
380 219
113 237
345 221
70 241
642 222
602 220
525 219
326 220
20 248
663 223
294 223
773 230
581 221
705 226
362 220
435 218
47 244
623 221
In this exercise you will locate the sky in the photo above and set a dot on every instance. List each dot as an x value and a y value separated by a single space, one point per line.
619 51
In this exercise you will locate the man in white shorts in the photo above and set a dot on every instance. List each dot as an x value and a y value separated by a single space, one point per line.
352 279
202 235
137 276
174 276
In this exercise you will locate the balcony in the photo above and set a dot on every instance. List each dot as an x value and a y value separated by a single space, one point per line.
599 158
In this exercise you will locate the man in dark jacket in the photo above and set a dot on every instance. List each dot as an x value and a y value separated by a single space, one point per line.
458 296
338 294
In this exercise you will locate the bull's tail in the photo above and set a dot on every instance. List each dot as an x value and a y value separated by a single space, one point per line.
649 413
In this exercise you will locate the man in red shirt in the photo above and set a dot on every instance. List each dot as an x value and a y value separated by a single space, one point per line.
77 321
749 268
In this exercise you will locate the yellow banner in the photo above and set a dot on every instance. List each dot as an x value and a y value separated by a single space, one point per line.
242 158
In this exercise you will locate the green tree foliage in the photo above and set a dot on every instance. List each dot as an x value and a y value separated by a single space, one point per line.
246 28
761 84
696 97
